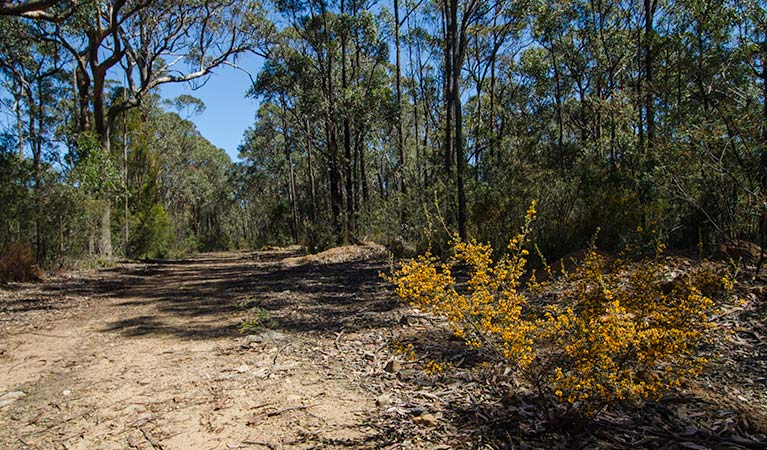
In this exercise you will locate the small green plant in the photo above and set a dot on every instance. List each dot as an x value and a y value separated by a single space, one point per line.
249 302
103 263
259 320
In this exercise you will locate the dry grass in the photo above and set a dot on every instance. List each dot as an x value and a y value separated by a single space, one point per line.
17 263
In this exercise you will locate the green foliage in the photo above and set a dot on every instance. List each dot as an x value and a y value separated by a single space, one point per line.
249 302
152 236
602 336
53 203
56 218
258 320
194 182
15 197
96 171
577 103
180 187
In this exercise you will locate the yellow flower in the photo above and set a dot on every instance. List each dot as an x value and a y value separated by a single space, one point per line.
611 334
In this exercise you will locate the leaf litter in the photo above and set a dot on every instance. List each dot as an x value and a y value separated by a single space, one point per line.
148 349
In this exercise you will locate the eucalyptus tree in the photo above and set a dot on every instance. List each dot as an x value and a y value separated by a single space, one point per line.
48 10
180 193
34 74
328 79
149 43
463 22
268 148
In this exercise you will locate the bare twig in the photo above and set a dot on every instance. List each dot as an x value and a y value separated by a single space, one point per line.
155 443
263 444
288 409
277 355
338 340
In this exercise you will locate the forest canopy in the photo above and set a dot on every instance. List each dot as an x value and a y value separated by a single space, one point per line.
400 122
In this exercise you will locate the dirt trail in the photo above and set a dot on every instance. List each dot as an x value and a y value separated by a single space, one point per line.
148 356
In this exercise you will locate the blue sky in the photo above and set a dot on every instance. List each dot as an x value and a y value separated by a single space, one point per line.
228 113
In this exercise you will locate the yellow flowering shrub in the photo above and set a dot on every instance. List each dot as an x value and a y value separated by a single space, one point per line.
491 313
623 334
614 333
434 367
406 351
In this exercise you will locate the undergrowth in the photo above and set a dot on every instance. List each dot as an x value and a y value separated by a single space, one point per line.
258 319
601 334
17 263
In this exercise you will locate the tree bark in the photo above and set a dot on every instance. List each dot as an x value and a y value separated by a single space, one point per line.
350 225
310 169
104 245
763 164
398 89
105 227
458 49
331 135
363 169
649 11
37 153
18 97
83 84
291 178
449 11
558 103
491 100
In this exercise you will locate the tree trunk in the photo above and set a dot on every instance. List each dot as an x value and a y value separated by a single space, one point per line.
416 132
126 217
331 137
336 198
355 172
491 100
460 171
363 169
649 11
83 83
17 98
104 245
347 140
478 131
37 146
763 163
458 48
101 119
558 103
398 86
450 32
381 184
426 110
291 178
639 87
105 228
310 169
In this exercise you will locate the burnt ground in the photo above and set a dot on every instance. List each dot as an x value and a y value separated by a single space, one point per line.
149 355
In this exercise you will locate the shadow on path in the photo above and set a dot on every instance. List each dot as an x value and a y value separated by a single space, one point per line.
201 298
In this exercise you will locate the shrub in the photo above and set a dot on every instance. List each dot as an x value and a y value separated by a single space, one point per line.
17 263
259 320
622 333
611 334
152 236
